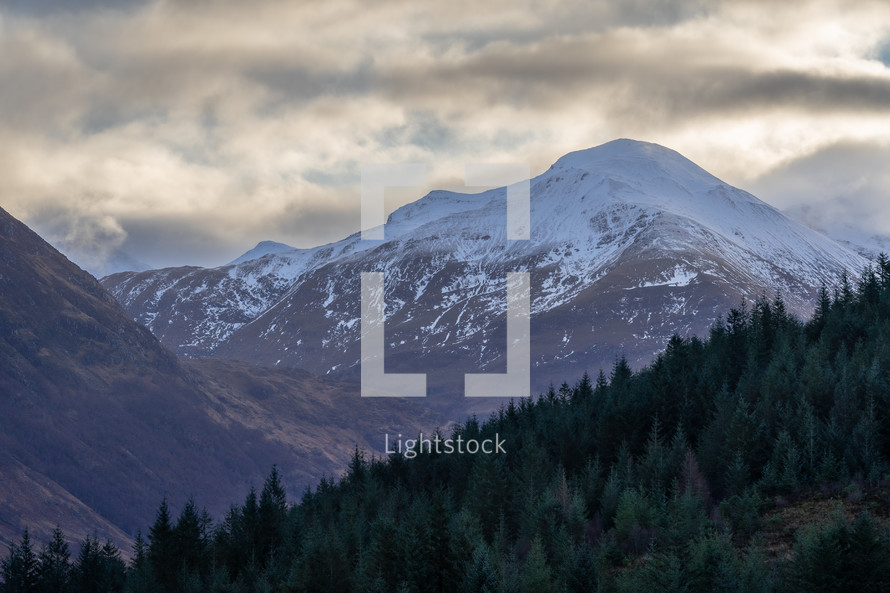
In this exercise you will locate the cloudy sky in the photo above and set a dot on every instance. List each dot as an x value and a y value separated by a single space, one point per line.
186 131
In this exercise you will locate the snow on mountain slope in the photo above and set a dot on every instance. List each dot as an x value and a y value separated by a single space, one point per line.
262 248
193 310
870 246
630 243
867 244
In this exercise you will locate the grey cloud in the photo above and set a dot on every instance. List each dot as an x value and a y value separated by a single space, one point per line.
800 90
316 225
883 52
48 7
143 75
635 79
42 84
91 241
175 112
321 177
577 17
297 83
167 238
424 129
662 98
638 78
345 174
845 184
103 114
646 13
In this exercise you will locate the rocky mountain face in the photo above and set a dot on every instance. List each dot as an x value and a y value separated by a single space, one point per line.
630 243
98 421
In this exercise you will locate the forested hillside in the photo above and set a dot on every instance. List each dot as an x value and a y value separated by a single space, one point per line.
668 479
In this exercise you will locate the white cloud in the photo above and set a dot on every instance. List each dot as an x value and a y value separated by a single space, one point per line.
232 122
844 185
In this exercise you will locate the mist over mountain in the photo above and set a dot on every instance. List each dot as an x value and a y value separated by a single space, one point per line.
867 244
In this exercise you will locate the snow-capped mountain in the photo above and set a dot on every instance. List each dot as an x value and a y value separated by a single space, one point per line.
630 243
262 248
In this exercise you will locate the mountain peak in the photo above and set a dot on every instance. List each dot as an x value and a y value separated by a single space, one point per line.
262 248
637 160
619 148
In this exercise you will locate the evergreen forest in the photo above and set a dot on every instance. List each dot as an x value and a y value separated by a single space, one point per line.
754 460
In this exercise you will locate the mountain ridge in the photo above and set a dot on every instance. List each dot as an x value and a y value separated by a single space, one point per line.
625 233
261 249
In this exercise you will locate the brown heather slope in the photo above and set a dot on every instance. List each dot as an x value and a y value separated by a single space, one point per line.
98 421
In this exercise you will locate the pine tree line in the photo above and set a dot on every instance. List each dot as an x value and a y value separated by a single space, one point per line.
97 568
652 480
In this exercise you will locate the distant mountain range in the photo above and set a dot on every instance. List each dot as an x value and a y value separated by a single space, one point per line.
630 243
99 421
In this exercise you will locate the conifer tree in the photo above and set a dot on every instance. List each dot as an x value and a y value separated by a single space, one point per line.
55 564
536 576
21 570
140 577
189 541
162 549
272 515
